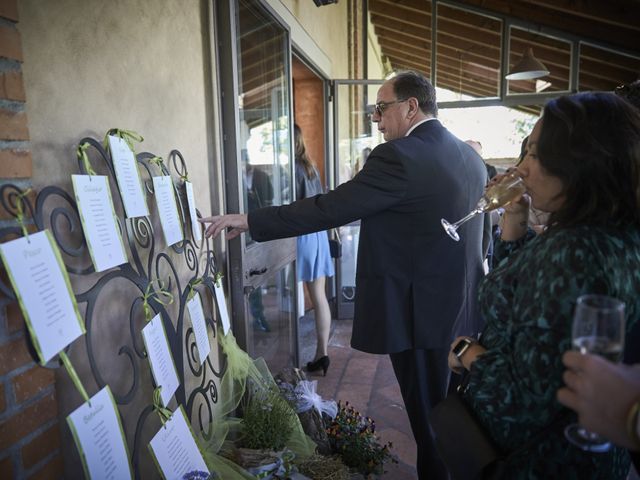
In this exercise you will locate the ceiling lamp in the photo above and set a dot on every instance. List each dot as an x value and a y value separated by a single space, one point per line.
529 67
320 3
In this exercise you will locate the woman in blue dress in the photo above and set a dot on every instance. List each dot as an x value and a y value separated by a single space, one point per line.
583 166
314 261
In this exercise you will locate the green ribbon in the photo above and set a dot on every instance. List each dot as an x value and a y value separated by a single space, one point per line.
192 288
129 136
163 413
161 296
82 155
157 161
74 376
185 177
216 279
20 212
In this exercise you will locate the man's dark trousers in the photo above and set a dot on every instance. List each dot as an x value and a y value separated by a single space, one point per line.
423 376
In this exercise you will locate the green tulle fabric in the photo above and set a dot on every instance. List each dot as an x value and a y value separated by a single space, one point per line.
241 370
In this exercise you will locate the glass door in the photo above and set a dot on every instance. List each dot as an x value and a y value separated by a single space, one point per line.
255 58
355 136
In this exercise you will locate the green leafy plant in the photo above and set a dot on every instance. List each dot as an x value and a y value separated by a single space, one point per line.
267 421
353 438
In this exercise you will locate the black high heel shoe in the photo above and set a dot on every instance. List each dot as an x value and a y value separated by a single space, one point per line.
321 363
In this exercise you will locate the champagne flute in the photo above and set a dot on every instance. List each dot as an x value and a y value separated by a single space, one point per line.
598 328
508 188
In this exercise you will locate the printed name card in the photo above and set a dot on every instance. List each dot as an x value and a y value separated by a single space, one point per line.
199 326
162 366
222 308
196 227
98 218
99 438
128 176
40 280
175 449
167 209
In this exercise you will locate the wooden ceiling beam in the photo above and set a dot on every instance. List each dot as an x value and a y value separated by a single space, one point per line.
397 12
623 36
389 26
415 6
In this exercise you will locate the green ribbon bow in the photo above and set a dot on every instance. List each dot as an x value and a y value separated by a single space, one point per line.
192 288
217 278
82 155
20 212
129 136
161 296
163 413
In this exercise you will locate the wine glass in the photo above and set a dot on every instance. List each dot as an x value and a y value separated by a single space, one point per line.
508 188
598 328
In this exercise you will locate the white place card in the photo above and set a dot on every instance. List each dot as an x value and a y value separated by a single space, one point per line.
99 438
167 209
128 176
196 226
199 326
41 284
98 218
162 366
174 448
222 308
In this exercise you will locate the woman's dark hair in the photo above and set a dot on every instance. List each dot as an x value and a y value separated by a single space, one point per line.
409 84
301 152
591 142
523 150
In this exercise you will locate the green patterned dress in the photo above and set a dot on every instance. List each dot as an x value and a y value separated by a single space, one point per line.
527 303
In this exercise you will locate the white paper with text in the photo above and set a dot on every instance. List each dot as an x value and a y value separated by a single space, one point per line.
222 308
98 218
199 327
44 292
100 439
162 366
167 209
196 227
128 176
175 449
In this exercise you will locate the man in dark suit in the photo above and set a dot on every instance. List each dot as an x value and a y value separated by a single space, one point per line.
415 286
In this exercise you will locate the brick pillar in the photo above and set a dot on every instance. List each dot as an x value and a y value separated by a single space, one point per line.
29 430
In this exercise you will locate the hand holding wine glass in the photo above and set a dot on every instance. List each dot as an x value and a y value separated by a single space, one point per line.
598 328
500 192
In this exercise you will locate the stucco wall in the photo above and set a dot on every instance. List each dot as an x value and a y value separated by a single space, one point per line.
93 65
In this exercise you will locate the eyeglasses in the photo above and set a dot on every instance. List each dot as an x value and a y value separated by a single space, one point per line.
380 107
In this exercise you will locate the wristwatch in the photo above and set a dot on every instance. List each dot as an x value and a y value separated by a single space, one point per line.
462 346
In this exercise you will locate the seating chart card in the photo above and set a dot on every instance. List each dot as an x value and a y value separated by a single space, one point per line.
174 448
129 182
98 218
222 308
43 290
100 439
196 227
167 209
199 327
162 366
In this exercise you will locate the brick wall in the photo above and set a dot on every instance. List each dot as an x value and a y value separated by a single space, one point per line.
29 429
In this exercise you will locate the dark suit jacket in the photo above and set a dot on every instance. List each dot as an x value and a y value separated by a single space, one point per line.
415 286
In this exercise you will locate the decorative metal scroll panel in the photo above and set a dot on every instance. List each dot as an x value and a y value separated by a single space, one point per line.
179 267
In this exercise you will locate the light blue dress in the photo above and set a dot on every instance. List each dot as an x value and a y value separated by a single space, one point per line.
314 259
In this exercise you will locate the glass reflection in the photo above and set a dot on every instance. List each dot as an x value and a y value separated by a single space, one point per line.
272 312
264 109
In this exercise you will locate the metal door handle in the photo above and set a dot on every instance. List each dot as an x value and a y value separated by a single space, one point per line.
255 271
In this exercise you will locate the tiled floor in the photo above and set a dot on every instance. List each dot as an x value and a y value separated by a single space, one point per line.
367 382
